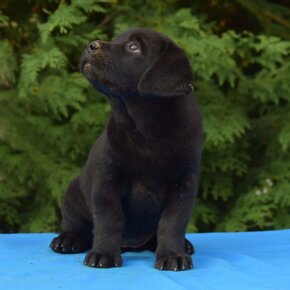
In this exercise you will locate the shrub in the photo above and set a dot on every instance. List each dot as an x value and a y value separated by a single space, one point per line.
50 116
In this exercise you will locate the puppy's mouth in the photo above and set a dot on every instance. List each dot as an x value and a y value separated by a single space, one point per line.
96 69
92 66
86 67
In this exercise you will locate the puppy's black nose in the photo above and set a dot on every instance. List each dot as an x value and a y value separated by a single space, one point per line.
94 45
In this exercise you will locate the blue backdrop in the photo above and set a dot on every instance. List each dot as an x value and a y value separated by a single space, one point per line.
227 261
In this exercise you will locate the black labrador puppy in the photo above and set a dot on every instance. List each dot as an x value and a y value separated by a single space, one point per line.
138 186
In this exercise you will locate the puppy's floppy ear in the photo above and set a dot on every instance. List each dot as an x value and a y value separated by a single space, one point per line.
169 76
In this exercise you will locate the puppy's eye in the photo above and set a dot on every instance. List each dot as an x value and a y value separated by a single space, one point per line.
133 46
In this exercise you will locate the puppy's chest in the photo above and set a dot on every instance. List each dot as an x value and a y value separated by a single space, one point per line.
143 197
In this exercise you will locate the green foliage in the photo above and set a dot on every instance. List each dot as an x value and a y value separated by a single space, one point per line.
272 16
7 64
3 18
50 116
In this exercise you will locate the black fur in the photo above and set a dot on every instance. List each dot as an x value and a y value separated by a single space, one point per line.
139 183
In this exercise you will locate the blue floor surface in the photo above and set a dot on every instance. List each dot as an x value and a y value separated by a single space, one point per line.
223 261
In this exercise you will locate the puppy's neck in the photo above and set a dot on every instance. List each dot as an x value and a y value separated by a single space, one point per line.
152 116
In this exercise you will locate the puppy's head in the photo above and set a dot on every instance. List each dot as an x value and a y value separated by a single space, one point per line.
138 62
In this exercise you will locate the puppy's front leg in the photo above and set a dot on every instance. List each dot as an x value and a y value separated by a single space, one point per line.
170 252
108 226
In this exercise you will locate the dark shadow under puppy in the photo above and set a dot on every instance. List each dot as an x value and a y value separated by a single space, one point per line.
140 181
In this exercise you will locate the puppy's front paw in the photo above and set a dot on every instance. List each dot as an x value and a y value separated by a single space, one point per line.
98 260
69 243
174 263
189 248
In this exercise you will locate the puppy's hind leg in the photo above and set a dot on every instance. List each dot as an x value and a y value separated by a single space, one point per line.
76 236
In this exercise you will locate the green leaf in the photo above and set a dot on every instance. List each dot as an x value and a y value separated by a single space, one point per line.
3 18
284 137
8 65
90 6
64 18
32 64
